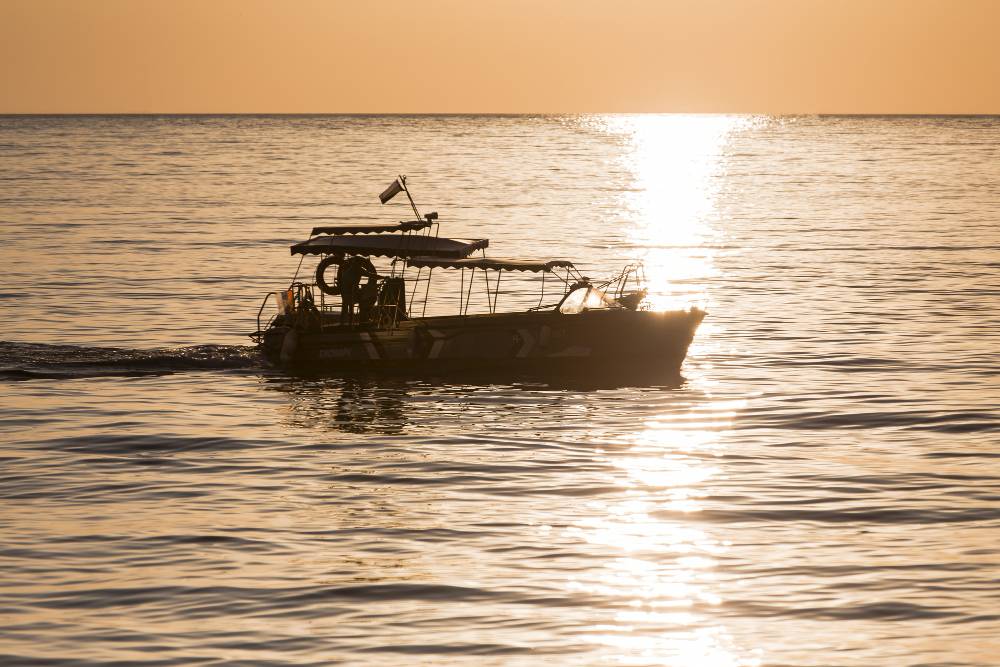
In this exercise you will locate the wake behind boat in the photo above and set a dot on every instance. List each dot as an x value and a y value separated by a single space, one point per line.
342 324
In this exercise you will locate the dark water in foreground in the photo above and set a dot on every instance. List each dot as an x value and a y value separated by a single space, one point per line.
820 487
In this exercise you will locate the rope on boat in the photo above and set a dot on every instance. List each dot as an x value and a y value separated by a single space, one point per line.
295 277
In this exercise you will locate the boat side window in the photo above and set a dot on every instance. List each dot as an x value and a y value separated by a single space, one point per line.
583 298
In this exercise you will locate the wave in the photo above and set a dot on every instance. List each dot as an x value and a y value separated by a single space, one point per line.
916 515
952 422
30 361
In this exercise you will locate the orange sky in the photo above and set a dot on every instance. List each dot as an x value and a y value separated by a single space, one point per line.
387 56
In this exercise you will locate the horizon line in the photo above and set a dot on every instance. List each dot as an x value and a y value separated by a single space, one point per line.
498 114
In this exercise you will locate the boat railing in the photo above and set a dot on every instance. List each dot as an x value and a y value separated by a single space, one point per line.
305 304
617 285
260 311
421 299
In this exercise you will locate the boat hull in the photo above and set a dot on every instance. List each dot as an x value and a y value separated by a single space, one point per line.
535 341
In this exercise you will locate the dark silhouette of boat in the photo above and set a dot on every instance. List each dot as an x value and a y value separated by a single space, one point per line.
381 325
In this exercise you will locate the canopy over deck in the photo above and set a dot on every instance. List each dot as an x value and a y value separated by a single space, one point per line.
390 245
373 228
490 263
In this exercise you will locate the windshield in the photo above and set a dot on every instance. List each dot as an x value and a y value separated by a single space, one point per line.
581 299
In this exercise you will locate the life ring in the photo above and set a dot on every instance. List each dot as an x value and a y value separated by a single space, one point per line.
321 283
350 269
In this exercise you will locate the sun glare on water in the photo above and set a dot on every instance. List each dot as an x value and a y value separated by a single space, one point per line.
660 568
676 164
661 561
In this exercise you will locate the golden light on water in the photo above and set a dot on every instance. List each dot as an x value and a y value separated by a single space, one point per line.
675 163
661 564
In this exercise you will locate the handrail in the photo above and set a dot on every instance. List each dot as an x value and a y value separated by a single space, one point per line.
261 309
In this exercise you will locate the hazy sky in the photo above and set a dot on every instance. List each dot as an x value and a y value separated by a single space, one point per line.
835 56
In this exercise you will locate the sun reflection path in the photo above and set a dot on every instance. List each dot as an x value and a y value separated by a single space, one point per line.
657 572
677 165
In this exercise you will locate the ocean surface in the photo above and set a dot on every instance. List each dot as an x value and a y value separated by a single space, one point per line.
821 486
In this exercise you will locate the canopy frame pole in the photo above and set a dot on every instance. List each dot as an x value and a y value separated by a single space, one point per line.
496 294
416 281
468 293
541 297
461 291
489 300
427 291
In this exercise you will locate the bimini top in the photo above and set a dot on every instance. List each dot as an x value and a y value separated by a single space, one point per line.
490 263
373 228
390 245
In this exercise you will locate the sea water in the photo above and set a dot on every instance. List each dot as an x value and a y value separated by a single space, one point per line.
821 486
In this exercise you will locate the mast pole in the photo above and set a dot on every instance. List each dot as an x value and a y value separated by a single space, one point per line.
402 180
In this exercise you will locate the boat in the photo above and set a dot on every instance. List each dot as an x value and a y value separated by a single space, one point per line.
327 324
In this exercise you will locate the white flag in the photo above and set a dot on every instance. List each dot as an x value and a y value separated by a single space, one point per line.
391 191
